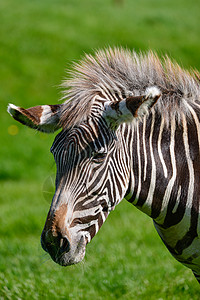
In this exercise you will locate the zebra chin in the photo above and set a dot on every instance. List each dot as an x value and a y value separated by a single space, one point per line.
68 259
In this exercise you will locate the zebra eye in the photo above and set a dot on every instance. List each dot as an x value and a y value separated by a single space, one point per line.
98 156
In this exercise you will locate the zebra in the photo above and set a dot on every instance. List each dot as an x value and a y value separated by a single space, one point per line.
130 129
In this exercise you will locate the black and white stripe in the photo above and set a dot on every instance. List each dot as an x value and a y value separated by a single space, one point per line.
170 197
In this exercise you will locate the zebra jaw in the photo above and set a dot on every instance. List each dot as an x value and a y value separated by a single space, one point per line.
130 108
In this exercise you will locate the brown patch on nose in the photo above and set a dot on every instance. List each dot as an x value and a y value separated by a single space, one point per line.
55 223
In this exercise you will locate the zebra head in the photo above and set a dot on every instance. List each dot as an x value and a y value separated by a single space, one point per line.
92 169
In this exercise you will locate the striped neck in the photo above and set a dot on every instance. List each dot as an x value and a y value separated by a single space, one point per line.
165 160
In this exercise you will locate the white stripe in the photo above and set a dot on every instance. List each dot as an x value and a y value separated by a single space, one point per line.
139 163
177 200
96 226
190 165
159 148
144 148
103 216
148 203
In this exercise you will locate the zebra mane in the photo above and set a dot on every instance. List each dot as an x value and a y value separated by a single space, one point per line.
119 72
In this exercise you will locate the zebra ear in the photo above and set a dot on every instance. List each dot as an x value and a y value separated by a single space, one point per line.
43 118
130 108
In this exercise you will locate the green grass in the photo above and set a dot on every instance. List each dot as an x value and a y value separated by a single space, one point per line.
126 260
38 40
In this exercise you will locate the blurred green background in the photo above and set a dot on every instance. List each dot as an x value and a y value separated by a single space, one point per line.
38 42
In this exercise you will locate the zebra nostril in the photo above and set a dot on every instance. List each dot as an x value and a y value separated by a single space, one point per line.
64 245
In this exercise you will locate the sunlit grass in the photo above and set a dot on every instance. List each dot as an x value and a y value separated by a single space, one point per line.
38 40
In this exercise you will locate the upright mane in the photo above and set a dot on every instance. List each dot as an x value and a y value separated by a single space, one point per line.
119 72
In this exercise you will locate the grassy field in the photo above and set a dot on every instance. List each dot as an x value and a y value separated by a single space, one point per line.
38 41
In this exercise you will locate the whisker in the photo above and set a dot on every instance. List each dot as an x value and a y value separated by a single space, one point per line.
45 260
